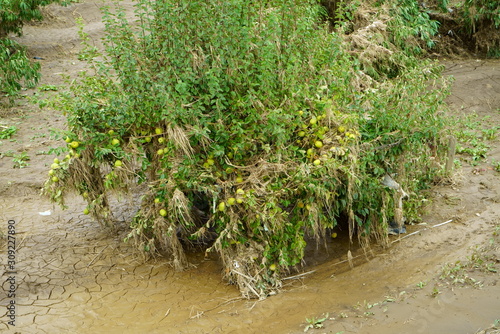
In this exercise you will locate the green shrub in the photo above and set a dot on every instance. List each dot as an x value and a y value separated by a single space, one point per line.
241 120
15 67
411 29
14 13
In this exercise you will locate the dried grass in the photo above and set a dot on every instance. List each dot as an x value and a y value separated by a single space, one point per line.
180 139
491 330
85 177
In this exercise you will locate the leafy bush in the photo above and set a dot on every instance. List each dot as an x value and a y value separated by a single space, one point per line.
13 14
15 66
411 29
243 123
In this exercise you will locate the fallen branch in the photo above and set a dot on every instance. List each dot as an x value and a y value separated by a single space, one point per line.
399 239
416 232
298 276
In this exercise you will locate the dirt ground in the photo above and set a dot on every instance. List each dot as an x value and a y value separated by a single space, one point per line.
73 276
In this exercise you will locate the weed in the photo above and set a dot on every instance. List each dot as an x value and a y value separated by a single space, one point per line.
472 137
9 153
7 132
490 133
421 285
38 135
315 323
45 88
484 258
435 292
369 306
20 160
495 164
457 274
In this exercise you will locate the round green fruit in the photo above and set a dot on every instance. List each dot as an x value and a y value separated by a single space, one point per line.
115 142
158 131
163 212
55 179
74 144
118 163
231 201
86 211
222 206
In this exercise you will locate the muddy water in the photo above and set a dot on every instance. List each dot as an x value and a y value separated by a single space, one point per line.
72 276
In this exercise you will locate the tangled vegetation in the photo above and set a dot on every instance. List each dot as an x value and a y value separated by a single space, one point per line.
477 22
250 127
